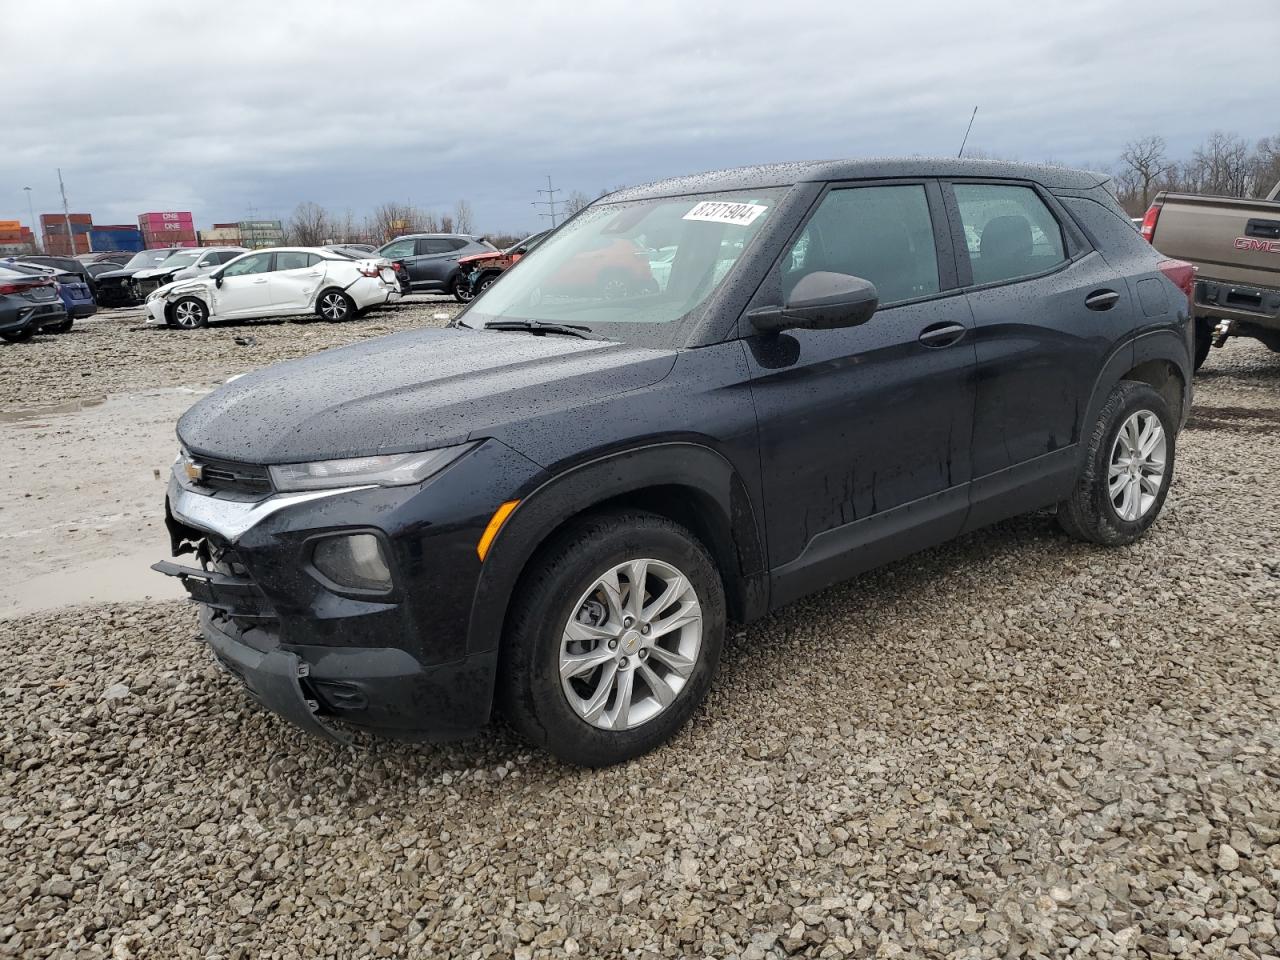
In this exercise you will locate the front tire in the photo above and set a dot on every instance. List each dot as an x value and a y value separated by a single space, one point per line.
614 638
335 306
188 314
1127 469
461 290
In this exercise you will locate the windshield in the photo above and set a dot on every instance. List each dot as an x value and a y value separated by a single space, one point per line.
630 271
145 258
182 258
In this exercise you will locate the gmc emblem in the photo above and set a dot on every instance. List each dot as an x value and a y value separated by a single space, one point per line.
1252 243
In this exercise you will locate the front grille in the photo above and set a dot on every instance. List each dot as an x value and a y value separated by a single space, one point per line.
231 477
144 288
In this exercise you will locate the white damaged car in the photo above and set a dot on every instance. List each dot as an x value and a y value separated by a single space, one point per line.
279 282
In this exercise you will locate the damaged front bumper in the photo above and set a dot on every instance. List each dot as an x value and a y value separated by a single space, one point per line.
402 664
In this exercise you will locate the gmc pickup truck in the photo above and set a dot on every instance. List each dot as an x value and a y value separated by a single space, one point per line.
1235 245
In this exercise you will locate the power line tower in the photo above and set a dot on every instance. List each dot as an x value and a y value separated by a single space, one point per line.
550 202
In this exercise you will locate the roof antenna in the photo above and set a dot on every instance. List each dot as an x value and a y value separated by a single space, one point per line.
966 133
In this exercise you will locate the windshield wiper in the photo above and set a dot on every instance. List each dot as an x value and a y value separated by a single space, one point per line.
541 326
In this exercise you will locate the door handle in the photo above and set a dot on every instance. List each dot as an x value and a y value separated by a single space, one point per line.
942 334
263 280
1102 300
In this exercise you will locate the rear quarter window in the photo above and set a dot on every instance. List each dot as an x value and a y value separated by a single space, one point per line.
1110 232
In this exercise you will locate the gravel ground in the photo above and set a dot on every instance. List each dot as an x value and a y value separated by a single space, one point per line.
1014 745
114 352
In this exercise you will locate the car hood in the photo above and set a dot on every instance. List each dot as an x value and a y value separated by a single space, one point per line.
117 274
147 272
472 258
410 391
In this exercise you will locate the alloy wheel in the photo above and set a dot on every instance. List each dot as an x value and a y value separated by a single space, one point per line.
333 306
1138 459
631 644
187 314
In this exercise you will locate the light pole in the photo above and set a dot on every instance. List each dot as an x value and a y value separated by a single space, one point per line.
35 230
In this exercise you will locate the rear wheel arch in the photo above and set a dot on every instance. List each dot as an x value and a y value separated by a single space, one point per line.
687 483
1159 358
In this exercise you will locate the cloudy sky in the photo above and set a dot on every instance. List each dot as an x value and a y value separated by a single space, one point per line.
233 109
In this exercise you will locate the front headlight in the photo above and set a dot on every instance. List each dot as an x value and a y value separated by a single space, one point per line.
391 470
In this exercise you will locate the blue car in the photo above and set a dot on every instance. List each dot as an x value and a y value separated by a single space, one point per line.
75 294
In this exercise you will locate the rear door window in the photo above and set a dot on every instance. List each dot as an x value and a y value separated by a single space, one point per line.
883 234
1009 232
400 248
294 260
434 245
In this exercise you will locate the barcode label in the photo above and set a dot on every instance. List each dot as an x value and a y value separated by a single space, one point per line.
723 211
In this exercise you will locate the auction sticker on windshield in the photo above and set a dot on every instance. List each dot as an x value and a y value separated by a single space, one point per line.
724 211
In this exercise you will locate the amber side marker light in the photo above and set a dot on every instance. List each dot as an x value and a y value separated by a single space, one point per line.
495 524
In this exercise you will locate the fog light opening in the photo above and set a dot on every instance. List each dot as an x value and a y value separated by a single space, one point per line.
354 561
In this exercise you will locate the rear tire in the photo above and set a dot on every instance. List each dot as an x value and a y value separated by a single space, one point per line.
1204 340
21 336
188 313
563 611
335 306
1122 485
63 327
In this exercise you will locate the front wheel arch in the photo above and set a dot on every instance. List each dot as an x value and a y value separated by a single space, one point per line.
684 482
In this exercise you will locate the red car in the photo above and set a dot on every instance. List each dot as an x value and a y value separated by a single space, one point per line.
479 270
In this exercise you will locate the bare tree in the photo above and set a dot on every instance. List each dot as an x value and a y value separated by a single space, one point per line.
392 219
573 203
462 216
309 225
1145 164
1266 165
1221 165
344 230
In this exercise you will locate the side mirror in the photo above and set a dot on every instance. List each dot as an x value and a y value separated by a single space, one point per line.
217 278
821 301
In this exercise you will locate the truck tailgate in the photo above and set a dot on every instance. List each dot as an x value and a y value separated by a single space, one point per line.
1232 240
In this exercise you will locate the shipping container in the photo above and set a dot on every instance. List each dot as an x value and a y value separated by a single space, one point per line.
10 225
220 236
155 221
103 239
261 233
57 246
51 218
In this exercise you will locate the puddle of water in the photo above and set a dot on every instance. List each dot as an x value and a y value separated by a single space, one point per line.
19 414
117 579
29 413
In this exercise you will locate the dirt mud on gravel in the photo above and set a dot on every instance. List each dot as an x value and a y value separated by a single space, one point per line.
87 429
1015 745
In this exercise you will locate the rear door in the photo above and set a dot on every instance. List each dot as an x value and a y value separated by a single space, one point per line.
437 259
1047 310
405 252
296 279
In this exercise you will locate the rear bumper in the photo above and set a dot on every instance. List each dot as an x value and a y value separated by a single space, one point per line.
29 317
1259 306
78 311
